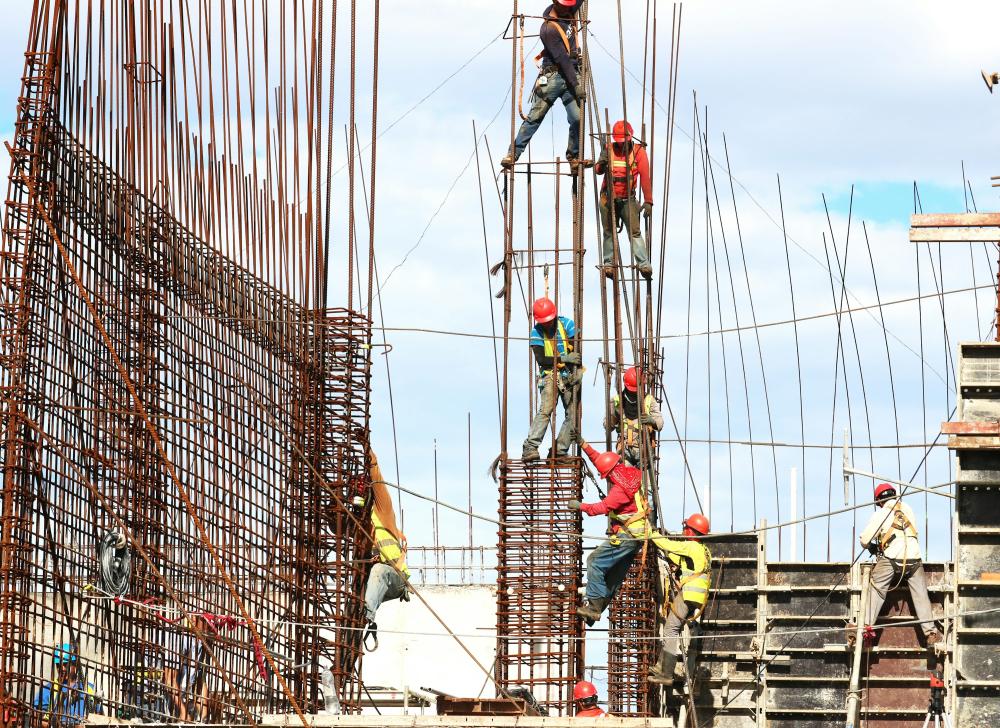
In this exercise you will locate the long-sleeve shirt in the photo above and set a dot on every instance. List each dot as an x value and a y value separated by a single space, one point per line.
905 544
625 482
554 49
641 163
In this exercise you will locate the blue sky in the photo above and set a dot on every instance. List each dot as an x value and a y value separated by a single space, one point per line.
829 95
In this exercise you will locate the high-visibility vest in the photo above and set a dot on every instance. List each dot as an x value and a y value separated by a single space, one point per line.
694 561
624 172
636 523
389 548
550 344
900 525
630 428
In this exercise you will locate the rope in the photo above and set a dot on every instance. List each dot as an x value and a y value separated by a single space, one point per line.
114 561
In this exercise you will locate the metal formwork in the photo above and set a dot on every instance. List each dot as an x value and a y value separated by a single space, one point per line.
538 577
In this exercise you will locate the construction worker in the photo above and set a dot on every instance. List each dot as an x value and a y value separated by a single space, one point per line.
389 576
70 698
634 419
585 698
627 165
558 375
690 576
558 79
891 536
627 511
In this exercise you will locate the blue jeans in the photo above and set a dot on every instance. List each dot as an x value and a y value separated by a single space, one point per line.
384 585
542 99
608 564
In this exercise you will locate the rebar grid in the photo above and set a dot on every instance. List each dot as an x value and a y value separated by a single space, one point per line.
538 578
632 646
262 409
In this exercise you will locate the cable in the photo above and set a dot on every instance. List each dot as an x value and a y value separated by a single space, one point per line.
114 562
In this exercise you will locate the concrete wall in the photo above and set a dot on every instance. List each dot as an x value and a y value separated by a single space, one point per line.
426 661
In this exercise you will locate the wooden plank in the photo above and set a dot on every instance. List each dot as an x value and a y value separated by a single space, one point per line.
973 442
955 235
970 428
968 219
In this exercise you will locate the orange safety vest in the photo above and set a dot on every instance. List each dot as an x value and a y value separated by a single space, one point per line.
624 172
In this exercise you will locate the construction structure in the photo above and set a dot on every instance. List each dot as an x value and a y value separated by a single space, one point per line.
187 381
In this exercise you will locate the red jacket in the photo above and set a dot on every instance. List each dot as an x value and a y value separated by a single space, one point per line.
625 483
594 712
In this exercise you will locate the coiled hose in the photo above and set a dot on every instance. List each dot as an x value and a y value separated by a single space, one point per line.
115 563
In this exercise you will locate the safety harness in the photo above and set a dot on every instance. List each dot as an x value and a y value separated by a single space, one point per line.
900 524
562 33
624 172
550 343
693 585
631 430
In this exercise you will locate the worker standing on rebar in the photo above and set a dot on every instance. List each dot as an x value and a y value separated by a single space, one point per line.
559 78
626 164
891 536
689 578
585 698
559 372
388 579
631 421
627 511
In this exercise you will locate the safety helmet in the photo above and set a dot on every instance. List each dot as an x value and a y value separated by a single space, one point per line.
631 379
698 523
583 690
606 462
544 310
567 3
621 132
882 489
64 654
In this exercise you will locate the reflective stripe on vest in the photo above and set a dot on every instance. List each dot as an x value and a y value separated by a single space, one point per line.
624 172
695 584
389 549
629 437
550 344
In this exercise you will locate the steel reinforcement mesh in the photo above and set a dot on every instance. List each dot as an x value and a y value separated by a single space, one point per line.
632 643
261 410
538 577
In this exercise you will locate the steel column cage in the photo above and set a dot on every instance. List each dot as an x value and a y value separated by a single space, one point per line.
538 578
261 406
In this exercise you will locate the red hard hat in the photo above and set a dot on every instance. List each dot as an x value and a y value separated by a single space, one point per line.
606 462
543 310
567 3
621 132
583 690
882 488
697 523
631 379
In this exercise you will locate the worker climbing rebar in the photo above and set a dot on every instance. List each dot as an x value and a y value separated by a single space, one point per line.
689 578
891 536
559 78
627 511
388 577
559 373
625 163
633 420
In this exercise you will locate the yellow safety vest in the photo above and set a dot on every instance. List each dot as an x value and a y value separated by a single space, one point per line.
550 344
695 563
388 547
630 428
899 523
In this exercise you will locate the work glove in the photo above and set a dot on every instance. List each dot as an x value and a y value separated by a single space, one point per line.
574 504
647 210
647 420
573 358
873 549
580 92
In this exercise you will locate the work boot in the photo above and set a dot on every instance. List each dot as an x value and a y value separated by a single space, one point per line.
591 609
662 673
529 454
508 161
647 271
608 271
933 638
850 632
